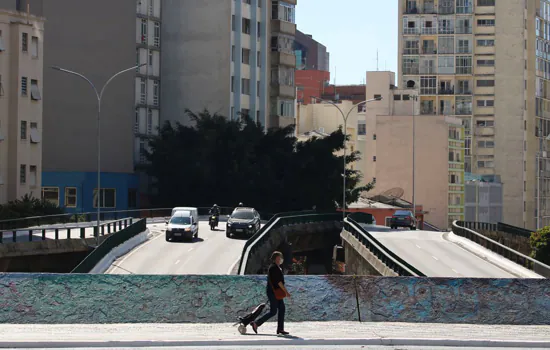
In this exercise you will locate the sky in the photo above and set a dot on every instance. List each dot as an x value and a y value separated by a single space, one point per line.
352 31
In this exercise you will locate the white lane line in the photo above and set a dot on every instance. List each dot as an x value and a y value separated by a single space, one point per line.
419 247
233 266
191 249
133 252
435 258
177 262
455 271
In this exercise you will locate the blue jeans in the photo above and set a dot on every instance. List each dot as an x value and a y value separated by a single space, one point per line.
274 306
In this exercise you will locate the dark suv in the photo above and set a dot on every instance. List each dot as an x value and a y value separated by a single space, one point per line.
243 221
403 218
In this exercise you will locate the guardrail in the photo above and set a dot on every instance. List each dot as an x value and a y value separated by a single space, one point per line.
389 258
68 218
109 244
64 232
498 227
461 230
278 220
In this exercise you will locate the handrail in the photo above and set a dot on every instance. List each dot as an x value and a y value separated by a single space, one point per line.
261 234
388 257
510 254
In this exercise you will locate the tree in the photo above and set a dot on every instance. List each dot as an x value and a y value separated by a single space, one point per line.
540 245
227 161
28 206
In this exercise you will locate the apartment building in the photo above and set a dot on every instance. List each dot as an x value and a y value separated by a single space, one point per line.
310 54
238 59
21 82
386 138
129 34
486 62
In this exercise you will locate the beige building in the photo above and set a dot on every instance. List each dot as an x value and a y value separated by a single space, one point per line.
486 62
386 144
21 72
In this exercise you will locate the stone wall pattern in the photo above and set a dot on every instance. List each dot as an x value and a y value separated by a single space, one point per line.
93 299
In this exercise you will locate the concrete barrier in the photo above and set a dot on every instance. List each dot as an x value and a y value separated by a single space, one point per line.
89 299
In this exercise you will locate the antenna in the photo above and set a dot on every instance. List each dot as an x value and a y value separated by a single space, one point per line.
28 12
377 60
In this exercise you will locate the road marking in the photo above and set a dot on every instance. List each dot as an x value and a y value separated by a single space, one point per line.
177 262
132 253
190 249
455 271
435 258
233 266
419 247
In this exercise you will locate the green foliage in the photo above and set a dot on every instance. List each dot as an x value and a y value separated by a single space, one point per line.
28 206
227 162
540 245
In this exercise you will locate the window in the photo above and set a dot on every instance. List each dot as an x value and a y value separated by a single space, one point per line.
485 83
23 130
257 117
486 2
428 86
22 174
486 22
142 153
486 164
282 76
486 63
463 46
156 94
2 48
132 198
143 91
374 158
246 26
463 64
486 144
24 82
25 42
485 42
233 24
374 137
246 56
247 1
107 198
70 197
446 45
285 108
156 40
51 194
232 84
259 31
143 31
485 103
245 113
232 113
406 97
35 91
258 88
362 129
245 86
136 122
377 96
397 97
282 11
34 133
258 59
149 121
233 53
33 175
34 47
485 123
150 58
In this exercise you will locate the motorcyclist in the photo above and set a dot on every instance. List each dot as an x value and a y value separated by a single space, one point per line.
215 210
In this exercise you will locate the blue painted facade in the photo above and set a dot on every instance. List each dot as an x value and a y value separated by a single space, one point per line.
85 184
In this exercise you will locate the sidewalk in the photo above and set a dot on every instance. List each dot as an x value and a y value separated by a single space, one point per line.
311 333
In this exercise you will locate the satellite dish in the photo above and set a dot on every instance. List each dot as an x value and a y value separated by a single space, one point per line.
396 192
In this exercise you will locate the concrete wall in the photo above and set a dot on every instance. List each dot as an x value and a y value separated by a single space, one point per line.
79 299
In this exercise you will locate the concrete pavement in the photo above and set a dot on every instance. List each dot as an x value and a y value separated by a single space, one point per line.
312 334
211 254
436 256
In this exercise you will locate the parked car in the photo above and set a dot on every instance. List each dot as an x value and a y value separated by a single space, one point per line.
182 225
243 221
403 218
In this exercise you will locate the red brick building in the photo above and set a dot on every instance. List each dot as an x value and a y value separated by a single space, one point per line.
310 83
354 93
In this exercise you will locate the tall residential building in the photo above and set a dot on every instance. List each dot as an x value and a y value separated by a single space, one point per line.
238 59
129 34
21 72
485 62
310 54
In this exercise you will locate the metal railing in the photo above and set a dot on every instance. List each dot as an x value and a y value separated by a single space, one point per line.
278 220
41 234
389 258
459 229
68 218
498 227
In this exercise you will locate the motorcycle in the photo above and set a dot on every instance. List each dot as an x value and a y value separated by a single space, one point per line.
213 222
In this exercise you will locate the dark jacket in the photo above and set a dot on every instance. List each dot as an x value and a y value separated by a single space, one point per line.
215 211
274 276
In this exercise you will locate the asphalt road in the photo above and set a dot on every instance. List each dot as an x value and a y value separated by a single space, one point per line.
435 256
211 254
312 347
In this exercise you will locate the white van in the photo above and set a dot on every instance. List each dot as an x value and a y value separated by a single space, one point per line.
194 212
182 225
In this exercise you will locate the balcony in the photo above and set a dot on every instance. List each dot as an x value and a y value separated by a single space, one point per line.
446 30
411 31
429 31
282 59
283 27
463 30
447 91
463 111
429 50
414 51
464 92
283 91
411 71
427 110
463 70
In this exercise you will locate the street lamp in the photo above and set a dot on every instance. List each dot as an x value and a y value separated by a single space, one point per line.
414 98
99 96
345 117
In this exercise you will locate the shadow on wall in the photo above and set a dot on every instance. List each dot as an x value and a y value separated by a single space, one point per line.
78 299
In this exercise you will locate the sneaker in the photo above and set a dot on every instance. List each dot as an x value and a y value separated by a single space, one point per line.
283 333
254 327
